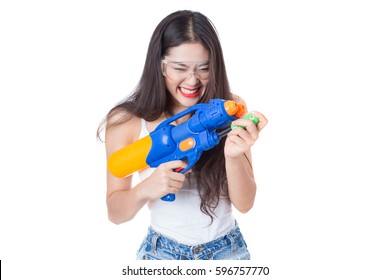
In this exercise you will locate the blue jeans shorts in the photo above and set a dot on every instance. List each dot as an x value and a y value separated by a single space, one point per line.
159 247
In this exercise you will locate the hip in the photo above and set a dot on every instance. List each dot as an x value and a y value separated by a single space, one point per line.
231 246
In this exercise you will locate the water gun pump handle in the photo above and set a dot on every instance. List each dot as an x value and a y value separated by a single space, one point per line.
179 115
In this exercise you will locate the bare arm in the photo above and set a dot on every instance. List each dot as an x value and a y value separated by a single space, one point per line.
241 182
124 200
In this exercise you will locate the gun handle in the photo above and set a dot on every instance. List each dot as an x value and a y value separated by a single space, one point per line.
171 196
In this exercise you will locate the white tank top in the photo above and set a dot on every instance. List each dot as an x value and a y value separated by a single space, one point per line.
182 219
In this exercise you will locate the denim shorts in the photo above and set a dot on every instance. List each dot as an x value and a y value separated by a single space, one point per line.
159 247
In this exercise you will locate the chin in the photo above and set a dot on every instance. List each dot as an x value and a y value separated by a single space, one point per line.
188 102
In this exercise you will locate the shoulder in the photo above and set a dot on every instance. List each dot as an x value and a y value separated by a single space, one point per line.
122 129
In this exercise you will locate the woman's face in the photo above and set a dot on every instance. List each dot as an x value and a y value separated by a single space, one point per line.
186 72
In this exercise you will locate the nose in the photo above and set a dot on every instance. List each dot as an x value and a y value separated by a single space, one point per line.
192 78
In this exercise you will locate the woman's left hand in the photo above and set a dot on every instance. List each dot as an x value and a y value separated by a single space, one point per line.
240 140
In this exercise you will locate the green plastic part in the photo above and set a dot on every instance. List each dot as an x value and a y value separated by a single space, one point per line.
248 117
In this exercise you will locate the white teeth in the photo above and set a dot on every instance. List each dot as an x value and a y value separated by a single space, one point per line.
187 91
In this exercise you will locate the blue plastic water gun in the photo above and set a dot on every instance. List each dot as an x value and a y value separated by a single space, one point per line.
186 141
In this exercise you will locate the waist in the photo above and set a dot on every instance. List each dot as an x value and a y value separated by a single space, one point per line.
199 251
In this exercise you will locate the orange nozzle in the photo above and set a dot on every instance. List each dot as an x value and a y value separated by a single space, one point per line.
234 108
241 110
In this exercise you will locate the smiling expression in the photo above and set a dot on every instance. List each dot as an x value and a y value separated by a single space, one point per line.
187 91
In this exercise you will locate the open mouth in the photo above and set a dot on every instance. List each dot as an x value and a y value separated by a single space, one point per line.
189 93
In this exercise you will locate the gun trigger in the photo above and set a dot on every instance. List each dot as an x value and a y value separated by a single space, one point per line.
191 162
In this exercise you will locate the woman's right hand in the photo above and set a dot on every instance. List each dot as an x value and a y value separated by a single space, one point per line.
164 180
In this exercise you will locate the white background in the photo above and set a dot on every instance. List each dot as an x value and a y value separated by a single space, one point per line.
319 70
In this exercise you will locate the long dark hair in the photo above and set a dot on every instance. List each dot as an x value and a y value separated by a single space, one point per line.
150 99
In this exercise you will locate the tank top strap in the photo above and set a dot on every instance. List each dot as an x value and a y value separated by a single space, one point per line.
144 129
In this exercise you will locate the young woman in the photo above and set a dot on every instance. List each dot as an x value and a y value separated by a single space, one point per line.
184 66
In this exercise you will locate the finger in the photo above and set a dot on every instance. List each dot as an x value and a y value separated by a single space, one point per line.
242 123
250 135
262 120
176 176
175 164
248 125
188 171
175 184
173 190
236 139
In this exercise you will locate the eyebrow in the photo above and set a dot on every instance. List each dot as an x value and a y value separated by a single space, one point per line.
204 63
183 63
